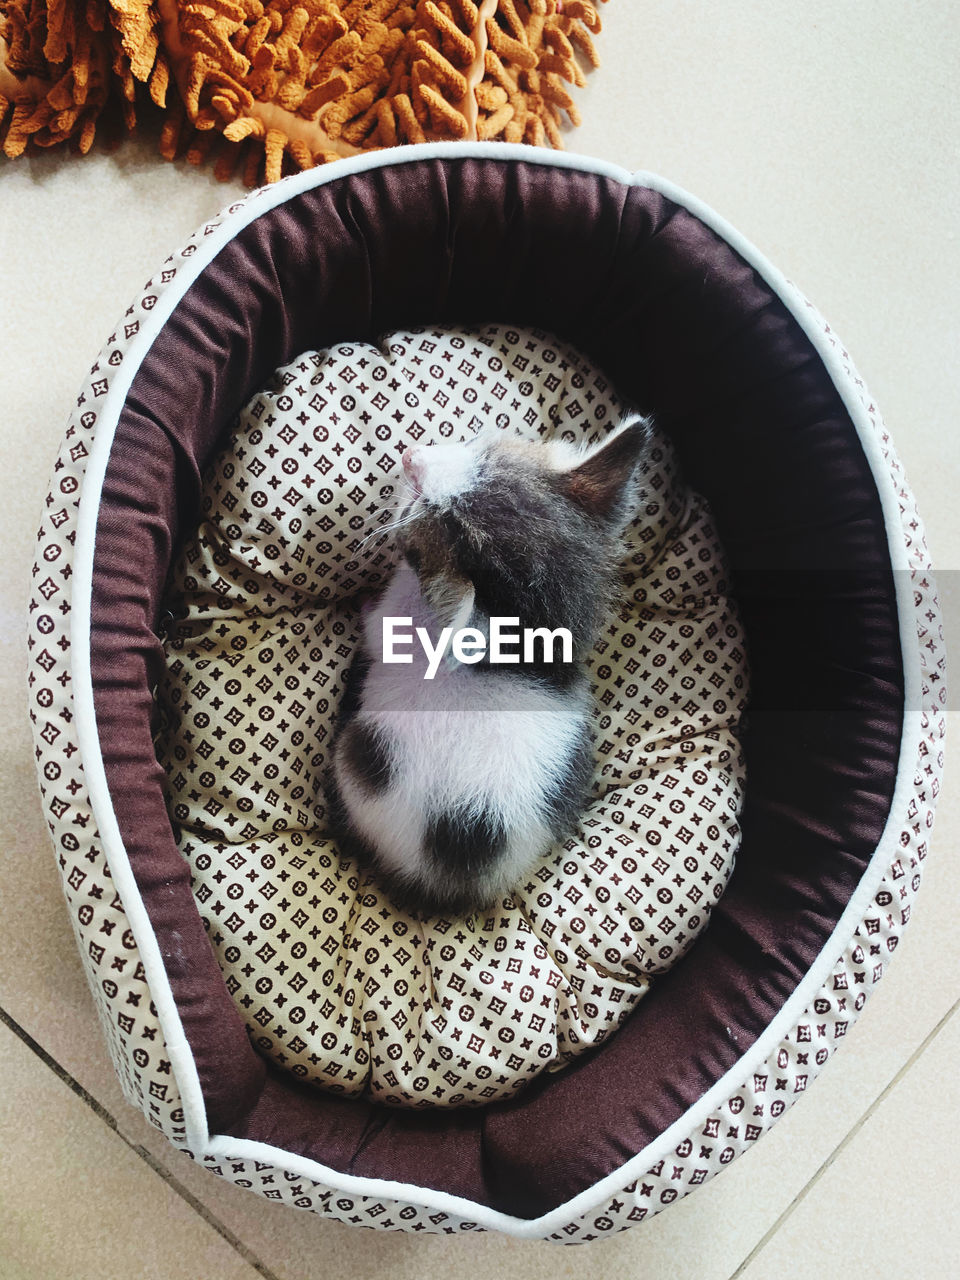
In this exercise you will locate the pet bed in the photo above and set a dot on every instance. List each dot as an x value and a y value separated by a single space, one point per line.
842 745
333 980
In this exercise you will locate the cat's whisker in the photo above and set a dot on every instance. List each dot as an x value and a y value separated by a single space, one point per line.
388 528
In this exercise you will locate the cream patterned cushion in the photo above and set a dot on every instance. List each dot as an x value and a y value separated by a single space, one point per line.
336 983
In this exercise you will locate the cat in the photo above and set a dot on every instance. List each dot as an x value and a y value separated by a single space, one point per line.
451 785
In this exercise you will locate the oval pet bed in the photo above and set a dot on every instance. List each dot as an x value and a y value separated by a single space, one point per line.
831 577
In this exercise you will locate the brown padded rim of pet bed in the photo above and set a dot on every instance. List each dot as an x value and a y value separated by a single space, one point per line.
688 331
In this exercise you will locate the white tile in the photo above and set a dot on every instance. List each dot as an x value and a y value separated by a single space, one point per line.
78 1203
887 1204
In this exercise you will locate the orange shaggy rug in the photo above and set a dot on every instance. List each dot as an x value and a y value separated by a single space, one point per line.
271 86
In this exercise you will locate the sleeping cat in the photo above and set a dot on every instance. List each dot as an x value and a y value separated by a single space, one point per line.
451 785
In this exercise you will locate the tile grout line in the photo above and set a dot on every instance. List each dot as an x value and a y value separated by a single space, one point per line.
158 1168
845 1141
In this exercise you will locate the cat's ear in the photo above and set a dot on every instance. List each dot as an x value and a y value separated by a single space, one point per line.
452 600
603 483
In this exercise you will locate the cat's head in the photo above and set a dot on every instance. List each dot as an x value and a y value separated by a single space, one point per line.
509 527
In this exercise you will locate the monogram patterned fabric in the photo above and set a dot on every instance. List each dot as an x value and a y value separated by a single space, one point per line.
334 981
737 1116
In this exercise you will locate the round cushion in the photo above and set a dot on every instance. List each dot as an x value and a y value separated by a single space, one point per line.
334 982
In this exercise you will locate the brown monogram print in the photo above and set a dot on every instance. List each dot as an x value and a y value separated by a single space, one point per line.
336 983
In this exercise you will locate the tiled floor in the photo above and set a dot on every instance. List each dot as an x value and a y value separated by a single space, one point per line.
827 133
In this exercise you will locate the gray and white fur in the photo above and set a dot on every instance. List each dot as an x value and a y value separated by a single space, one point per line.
450 789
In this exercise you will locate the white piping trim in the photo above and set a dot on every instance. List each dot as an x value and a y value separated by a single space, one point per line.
181 1060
